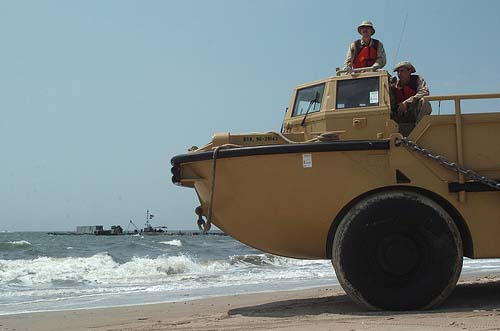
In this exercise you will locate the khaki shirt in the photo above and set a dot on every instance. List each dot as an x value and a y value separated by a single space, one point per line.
422 90
351 54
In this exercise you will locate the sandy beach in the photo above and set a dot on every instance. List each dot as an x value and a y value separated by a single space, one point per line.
474 305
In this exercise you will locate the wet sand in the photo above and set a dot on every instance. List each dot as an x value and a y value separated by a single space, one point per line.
474 305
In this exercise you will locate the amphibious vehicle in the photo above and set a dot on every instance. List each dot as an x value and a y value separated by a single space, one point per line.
396 214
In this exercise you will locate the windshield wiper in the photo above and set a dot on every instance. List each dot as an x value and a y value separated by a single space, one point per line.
283 123
313 101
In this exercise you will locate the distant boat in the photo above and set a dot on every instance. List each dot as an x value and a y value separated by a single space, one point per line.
148 228
114 231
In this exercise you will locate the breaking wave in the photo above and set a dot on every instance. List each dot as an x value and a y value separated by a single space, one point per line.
98 269
260 260
175 242
102 269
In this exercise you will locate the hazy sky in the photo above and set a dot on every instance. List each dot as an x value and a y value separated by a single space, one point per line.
97 96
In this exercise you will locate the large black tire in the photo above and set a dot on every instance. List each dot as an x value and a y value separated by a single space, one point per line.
397 250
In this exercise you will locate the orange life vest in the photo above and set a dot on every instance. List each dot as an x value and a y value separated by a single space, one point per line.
403 93
365 55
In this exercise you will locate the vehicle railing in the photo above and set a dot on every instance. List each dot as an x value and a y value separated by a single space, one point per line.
458 123
462 96
354 71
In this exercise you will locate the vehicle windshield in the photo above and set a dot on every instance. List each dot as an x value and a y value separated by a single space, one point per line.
356 93
308 100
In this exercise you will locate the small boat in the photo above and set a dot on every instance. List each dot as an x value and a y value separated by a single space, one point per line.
148 228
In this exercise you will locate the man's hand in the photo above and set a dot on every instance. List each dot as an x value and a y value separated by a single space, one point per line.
393 82
402 108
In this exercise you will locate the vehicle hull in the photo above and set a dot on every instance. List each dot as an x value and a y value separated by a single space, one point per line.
265 197
275 203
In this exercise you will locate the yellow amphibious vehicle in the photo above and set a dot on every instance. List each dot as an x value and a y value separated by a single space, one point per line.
395 214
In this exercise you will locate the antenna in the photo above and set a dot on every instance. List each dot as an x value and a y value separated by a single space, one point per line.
400 38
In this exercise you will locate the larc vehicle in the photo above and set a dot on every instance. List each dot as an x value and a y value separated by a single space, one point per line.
395 214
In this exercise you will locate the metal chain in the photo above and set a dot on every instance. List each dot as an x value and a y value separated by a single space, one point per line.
447 164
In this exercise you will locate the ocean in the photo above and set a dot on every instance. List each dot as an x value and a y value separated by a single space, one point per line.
44 272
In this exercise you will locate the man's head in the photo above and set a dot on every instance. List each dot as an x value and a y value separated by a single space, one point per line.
404 70
366 29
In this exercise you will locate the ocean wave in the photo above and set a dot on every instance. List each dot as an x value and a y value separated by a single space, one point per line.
175 242
266 259
103 274
62 293
480 265
253 259
14 244
102 269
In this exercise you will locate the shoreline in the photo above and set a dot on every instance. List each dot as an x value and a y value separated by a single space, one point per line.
474 305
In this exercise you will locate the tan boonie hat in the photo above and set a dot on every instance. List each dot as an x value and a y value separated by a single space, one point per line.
404 64
366 23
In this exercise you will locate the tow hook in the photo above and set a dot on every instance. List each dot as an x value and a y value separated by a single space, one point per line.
201 222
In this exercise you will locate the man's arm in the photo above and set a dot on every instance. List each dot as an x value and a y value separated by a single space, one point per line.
381 59
422 91
349 58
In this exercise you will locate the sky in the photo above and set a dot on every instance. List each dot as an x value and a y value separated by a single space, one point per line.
97 96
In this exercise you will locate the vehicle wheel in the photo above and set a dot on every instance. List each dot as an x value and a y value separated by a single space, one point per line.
397 250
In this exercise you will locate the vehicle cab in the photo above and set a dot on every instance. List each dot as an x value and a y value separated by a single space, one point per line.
353 106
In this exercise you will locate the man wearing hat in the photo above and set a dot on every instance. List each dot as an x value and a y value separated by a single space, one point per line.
365 52
407 92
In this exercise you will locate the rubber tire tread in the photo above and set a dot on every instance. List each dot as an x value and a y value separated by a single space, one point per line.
436 252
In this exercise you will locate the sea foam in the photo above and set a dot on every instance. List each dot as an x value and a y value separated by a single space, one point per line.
101 269
175 242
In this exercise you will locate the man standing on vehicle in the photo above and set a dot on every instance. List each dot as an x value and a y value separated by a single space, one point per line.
365 52
407 92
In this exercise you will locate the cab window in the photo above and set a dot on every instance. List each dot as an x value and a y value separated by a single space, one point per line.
308 100
354 93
